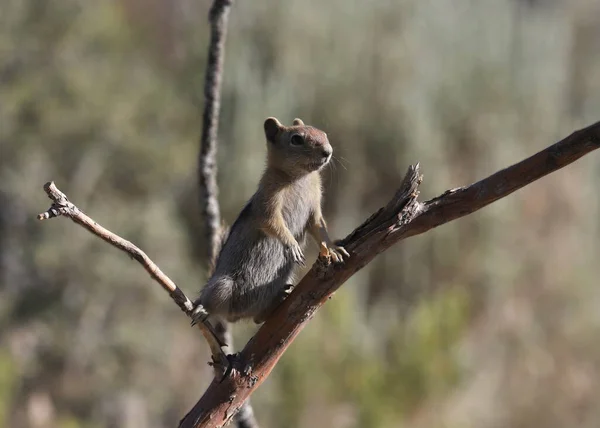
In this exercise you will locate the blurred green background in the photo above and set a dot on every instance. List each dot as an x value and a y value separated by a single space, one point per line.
490 321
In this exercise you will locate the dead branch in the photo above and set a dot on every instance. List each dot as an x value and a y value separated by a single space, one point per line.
207 163
401 218
61 206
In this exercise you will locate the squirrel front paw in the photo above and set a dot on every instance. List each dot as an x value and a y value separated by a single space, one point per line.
336 252
297 254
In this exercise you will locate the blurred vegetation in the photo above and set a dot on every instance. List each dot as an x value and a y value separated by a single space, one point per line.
490 321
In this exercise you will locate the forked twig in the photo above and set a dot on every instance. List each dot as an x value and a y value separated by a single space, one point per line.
61 206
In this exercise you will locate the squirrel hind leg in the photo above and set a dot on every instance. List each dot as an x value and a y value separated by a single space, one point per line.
278 300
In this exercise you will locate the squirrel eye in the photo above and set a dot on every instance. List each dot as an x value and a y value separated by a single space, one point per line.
296 140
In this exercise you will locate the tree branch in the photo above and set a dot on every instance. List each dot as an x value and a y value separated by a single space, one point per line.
401 218
61 206
207 163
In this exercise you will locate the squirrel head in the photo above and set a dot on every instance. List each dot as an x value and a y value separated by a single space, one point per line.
298 149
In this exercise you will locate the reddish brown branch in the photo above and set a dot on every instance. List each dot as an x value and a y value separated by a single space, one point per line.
403 217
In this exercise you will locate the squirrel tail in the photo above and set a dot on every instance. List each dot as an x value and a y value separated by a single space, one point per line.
221 327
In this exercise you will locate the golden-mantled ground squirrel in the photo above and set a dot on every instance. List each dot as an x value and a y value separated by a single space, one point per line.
253 272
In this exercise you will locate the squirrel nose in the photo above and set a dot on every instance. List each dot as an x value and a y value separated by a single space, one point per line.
326 152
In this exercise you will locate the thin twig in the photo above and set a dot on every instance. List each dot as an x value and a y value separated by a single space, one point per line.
61 206
401 218
207 163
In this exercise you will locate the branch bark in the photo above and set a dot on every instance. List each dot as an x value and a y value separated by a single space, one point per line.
61 206
207 163
404 216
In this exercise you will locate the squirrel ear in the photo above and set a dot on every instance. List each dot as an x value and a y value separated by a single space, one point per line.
298 122
272 127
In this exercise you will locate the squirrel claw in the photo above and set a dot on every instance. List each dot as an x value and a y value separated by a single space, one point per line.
343 251
199 315
219 358
297 255
336 253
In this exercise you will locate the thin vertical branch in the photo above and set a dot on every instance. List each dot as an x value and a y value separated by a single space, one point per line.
207 165
207 160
